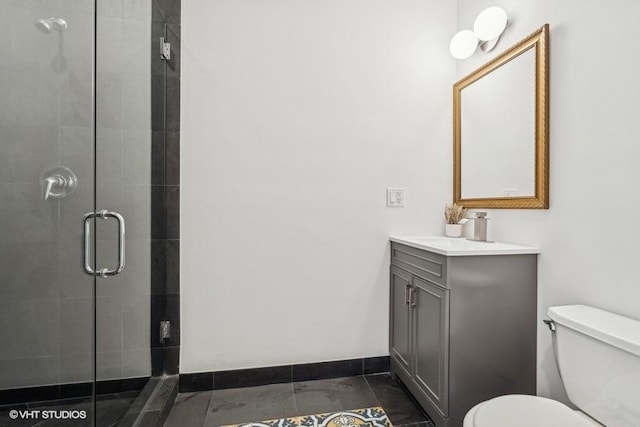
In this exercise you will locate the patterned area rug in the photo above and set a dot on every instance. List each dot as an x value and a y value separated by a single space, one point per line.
367 417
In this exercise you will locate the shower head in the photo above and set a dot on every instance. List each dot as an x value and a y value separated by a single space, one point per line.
43 25
58 24
48 25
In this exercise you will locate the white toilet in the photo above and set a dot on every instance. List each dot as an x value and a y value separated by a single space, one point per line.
598 356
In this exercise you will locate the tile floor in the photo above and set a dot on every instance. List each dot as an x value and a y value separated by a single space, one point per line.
111 408
239 405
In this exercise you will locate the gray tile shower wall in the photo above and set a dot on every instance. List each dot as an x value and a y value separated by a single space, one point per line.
67 391
165 175
45 122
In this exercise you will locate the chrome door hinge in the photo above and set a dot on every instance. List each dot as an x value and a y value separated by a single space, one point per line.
165 49
165 330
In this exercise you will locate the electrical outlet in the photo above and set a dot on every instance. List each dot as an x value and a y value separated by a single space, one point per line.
395 197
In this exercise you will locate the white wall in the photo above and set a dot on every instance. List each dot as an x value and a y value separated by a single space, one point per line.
296 116
594 138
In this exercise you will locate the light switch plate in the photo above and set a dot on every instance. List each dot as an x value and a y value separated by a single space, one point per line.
395 197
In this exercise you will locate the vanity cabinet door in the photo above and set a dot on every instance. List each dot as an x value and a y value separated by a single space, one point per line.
400 312
431 342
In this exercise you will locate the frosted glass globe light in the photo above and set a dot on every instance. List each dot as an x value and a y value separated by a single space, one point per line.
490 23
463 44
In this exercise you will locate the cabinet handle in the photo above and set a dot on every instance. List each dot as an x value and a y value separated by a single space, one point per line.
407 291
412 292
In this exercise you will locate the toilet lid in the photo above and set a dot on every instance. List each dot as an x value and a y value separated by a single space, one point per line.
526 411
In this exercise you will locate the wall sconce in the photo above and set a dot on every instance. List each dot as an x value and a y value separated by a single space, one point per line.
487 29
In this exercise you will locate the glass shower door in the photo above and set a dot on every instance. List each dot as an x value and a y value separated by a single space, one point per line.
75 167
123 186
47 179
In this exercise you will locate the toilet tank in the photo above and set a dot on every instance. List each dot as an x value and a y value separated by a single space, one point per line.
598 356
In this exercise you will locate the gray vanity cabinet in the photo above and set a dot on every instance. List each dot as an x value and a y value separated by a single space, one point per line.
418 339
400 342
462 328
430 341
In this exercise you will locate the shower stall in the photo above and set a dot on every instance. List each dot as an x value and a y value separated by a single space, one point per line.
82 215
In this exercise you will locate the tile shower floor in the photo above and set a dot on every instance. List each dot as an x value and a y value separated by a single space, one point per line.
243 405
111 409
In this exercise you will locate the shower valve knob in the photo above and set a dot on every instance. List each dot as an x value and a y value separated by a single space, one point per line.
58 182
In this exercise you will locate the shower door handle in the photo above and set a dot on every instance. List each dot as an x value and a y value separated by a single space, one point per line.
103 272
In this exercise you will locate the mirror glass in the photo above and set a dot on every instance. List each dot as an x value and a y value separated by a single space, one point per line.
498 136
500 141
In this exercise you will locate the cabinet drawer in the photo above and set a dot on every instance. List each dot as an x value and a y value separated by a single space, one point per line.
429 266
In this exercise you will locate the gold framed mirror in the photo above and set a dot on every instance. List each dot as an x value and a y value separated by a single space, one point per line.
501 130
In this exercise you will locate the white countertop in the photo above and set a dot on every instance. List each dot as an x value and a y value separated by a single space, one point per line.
461 246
